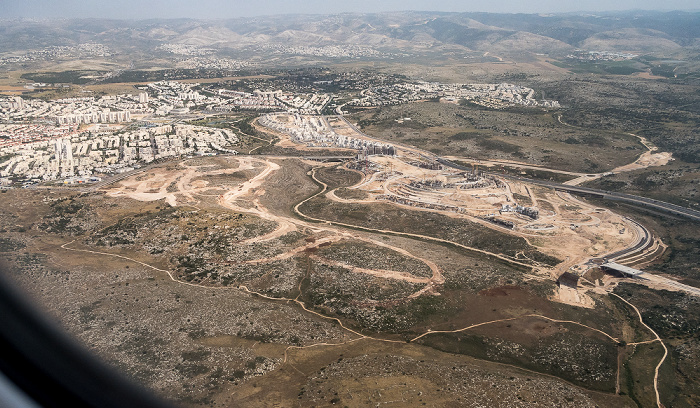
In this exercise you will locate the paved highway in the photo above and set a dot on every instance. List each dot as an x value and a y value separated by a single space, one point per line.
662 282
608 195
644 240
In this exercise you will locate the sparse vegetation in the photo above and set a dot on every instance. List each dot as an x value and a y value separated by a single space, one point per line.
214 298
532 135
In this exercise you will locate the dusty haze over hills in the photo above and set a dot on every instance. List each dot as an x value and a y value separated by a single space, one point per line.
350 205
228 9
637 32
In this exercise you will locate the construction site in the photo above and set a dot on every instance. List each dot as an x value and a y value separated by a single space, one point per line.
575 232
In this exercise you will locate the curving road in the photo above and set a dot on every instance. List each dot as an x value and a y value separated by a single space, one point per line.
644 239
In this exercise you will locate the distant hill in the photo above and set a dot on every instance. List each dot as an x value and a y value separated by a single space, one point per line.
631 39
636 32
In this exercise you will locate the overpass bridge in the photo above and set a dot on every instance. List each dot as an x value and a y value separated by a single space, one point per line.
624 270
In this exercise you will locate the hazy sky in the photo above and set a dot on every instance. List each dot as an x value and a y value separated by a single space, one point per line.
246 8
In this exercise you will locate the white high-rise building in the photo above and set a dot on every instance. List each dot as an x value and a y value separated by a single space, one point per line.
143 97
68 151
64 156
58 147
19 103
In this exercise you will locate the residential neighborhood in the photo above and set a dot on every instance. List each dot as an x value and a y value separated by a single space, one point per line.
44 140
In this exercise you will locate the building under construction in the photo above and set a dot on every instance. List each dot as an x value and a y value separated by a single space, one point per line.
373 149
532 212
501 222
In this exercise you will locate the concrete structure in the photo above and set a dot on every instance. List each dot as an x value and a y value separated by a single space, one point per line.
568 279
622 269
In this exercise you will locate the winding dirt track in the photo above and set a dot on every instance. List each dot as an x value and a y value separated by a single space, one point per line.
405 234
658 366
286 224
239 198
359 335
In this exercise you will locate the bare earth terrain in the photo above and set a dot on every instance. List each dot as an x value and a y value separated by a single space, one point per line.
328 254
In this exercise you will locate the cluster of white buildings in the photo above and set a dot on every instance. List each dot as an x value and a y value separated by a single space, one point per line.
174 97
314 131
24 121
306 104
490 95
18 110
185 49
329 51
105 116
107 152
85 50
20 133
496 95
271 100
582 55
106 109
257 100
388 95
212 63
